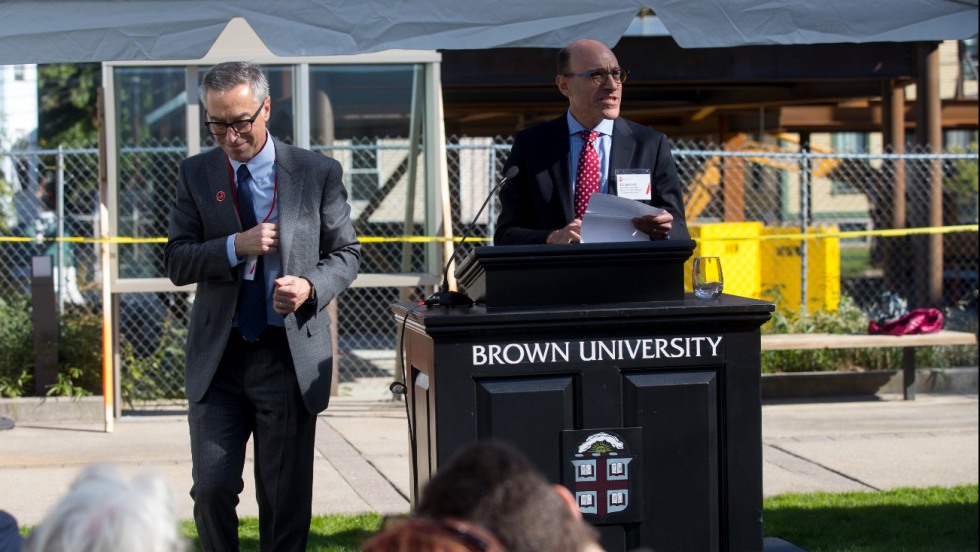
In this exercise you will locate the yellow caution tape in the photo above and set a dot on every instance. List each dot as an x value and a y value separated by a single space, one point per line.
128 240
822 235
815 235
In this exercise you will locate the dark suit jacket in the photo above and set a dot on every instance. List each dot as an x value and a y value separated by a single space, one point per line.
316 241
539 199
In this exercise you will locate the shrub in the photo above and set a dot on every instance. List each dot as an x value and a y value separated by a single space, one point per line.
16 346
849 319
146 377
79 351
79 354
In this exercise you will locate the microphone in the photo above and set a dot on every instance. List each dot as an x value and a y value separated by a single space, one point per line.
447 298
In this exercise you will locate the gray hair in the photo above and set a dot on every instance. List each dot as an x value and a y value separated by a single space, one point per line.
225 76
102 511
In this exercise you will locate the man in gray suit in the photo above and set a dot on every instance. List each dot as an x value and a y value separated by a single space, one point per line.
542 203
263 229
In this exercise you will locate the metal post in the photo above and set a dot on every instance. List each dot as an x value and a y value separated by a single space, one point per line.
110 329
414 132
805 168
491 177
60 214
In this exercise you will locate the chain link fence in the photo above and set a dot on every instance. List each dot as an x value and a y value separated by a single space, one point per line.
811 230
50 193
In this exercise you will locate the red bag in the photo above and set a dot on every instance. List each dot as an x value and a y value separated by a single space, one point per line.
919 321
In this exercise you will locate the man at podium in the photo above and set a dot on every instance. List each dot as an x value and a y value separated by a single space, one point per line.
590 149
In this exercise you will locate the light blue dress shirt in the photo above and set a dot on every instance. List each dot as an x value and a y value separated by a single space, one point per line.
263 170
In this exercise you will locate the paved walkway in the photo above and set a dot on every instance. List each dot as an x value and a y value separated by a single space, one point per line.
362 451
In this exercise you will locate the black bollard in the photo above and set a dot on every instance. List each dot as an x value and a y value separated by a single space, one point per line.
44 315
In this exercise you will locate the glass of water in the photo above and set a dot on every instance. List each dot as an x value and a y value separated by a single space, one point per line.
707 279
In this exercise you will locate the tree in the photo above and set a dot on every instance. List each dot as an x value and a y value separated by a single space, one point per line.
67 104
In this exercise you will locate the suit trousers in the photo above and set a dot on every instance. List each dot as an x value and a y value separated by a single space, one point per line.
254 393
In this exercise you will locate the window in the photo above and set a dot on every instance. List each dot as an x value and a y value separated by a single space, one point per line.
149 127
365 174
968 55
359 113
848 142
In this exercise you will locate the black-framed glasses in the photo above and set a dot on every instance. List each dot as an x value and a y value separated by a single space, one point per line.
241 126
598 77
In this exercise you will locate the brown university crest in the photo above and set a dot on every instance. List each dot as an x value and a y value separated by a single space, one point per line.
603 474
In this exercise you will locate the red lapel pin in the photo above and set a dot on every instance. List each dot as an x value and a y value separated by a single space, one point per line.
220 196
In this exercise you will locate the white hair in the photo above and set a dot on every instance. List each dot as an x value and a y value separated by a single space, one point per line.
102 512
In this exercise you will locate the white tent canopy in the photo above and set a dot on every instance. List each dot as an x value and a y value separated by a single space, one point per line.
718 23
118 30
34 31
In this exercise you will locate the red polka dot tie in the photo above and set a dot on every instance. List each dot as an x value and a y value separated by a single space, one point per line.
587 180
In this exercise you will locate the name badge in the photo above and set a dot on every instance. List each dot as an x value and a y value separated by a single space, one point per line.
250 263
633 184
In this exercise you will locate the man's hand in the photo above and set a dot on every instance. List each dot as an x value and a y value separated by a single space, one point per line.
569 234
258 240
656 227
290 293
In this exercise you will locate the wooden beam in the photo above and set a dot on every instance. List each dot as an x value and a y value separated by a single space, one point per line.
794 342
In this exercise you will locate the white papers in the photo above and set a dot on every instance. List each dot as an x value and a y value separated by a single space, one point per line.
608 218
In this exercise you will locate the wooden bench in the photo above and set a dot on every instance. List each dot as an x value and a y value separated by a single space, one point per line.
908 343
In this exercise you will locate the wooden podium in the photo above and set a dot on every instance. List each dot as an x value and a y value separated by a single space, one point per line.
643 400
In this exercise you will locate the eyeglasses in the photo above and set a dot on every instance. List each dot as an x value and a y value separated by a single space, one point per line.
598 77
241 126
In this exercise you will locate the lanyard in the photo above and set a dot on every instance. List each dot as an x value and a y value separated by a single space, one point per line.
275 189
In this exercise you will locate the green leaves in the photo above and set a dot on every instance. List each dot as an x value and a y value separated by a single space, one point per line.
67 103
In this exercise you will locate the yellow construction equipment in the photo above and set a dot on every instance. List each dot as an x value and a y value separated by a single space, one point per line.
706 184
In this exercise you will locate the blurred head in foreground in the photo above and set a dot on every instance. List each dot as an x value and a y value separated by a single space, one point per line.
103 512
496 486
422 534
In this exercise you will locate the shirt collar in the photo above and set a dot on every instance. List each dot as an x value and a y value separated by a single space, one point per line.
604 127
261 165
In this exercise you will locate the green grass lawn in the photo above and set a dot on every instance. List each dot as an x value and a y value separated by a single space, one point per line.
855 260
335 533
930 519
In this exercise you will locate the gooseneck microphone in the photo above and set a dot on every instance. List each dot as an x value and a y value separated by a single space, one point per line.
444 297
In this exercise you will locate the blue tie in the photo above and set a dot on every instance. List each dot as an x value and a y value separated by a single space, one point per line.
251 303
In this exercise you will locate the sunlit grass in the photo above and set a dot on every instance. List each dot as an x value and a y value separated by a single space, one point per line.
912 520
930 519
334 533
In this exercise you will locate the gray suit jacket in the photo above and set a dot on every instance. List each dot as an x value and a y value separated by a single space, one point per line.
316 241
539 199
